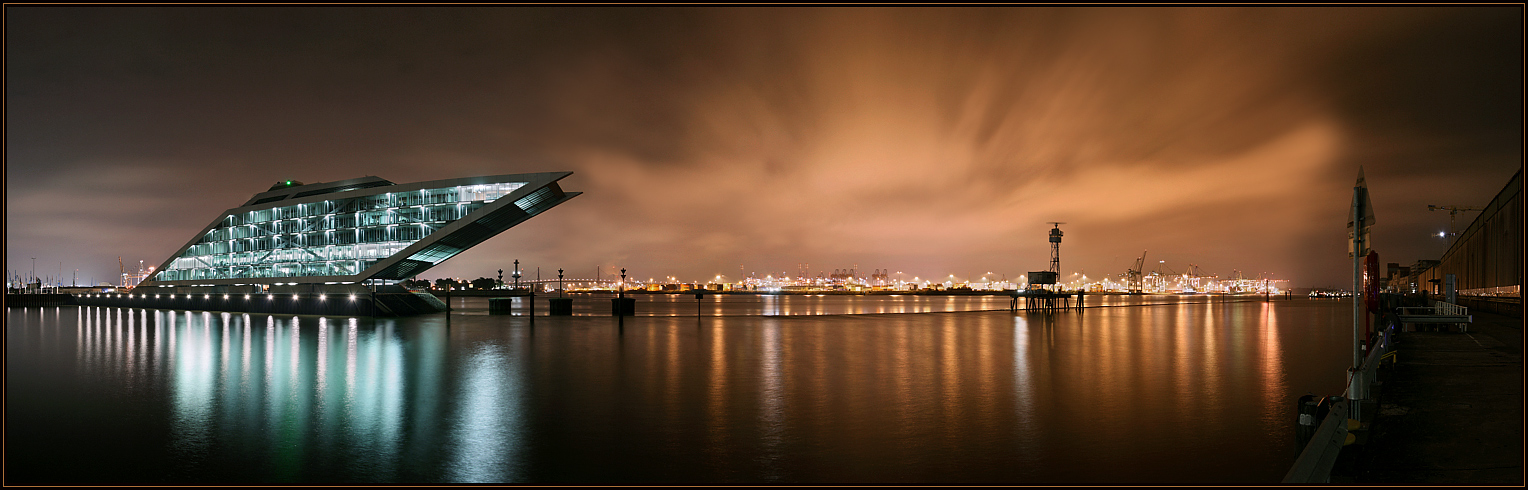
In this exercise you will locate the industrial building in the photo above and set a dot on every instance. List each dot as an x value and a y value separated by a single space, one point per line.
1486 259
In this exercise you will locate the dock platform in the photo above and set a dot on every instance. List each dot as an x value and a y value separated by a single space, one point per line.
1450 410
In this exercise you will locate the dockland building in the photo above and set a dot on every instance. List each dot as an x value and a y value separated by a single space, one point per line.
338 247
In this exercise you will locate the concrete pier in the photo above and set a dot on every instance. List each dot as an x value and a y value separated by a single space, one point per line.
1450 410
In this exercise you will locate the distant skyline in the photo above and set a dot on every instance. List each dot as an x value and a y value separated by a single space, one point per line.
709 141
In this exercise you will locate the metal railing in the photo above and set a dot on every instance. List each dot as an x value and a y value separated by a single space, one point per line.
1315 462
1314 465
1439 312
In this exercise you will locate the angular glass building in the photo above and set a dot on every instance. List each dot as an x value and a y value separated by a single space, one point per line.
365 230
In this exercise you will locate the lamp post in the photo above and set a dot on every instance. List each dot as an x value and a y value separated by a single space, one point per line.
516 274
619 307
561 306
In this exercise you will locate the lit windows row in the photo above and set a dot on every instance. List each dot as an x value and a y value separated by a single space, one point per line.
388 200
319 261
416 216
314 239
321 297
337 252
280 269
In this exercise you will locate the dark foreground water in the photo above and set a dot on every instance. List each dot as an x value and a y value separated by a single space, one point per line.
1185 392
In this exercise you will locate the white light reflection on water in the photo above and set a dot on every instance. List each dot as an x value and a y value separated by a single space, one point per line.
146 357
374 401
159 351
129 356
79 333
295 356
114 334
244 358
269 359
390 411
82 349
321 380
193 388
486 430
93 345
350 353
223 341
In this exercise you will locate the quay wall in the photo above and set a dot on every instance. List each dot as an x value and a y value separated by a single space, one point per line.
36 299
380 304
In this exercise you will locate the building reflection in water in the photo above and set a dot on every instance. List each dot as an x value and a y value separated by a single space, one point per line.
1111 395
309 398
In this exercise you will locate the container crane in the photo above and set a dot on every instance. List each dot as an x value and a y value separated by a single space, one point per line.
1133 275
1192 276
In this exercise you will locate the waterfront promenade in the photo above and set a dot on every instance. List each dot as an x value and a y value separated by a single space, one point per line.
1451 410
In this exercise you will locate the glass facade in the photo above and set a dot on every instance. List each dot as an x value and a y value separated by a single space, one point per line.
337 237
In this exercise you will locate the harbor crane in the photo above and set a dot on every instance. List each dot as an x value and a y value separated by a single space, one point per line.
1453 214
1133 275
1191 277
1159 279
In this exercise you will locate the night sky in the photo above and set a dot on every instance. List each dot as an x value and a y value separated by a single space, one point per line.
926 141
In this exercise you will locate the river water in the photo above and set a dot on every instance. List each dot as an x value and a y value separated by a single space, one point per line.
759 389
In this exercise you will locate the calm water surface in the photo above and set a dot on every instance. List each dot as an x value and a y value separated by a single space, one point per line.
1179 392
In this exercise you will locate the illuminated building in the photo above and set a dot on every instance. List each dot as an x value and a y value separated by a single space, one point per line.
348 236
355 230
